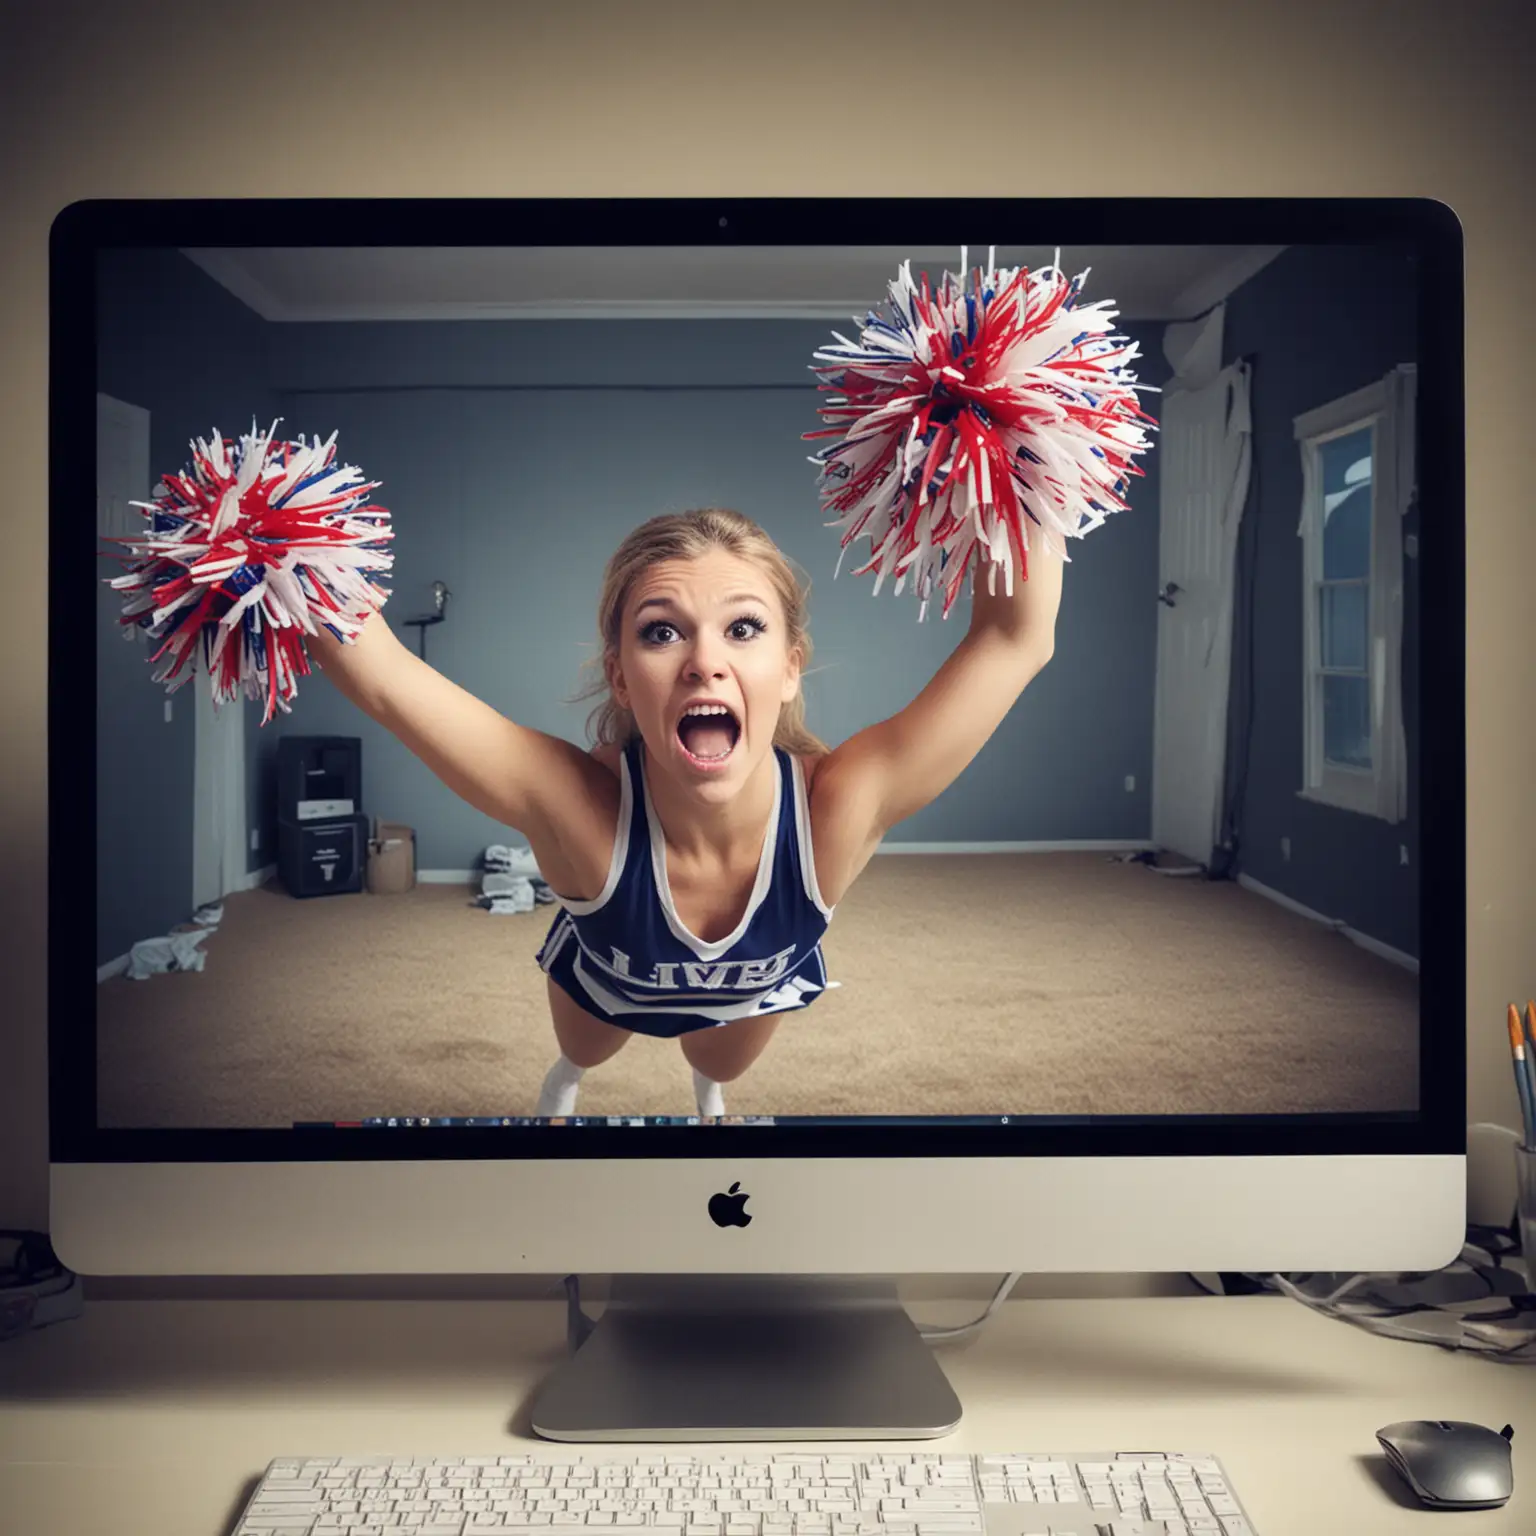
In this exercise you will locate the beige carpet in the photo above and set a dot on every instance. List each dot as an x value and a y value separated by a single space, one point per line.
995 983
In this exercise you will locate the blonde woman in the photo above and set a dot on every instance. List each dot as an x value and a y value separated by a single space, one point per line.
699 848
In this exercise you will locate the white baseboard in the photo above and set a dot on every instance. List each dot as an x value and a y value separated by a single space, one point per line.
1085 845
1364 940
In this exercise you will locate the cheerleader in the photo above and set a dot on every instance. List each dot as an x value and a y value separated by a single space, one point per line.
700 847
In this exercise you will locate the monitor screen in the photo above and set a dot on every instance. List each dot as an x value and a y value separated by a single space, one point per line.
1156 870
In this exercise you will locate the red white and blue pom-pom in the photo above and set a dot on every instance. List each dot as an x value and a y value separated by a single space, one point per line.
248 549
970 413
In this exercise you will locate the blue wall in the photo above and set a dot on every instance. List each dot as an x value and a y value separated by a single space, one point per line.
512 482
1318 324
515 455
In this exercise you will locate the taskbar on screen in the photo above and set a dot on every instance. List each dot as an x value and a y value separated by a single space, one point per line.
422 1122
1308 1120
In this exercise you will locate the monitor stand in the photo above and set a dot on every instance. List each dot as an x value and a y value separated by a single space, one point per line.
692 1357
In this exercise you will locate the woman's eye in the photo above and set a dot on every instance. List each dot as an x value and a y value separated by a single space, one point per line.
657 633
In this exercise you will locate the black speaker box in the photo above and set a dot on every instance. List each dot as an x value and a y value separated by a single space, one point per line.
327 856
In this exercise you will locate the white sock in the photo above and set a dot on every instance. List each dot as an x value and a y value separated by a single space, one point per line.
558 1095
707 1091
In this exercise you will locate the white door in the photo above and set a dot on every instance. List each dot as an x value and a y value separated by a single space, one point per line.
122 470
218 776
218 794
207 796
1204 460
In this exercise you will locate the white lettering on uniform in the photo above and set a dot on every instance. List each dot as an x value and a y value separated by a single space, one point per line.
759 973
707 977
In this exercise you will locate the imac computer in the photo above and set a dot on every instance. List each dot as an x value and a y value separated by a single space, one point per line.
681 861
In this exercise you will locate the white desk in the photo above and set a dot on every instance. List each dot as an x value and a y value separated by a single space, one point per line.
154 1418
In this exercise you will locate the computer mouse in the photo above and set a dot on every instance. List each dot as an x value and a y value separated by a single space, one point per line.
1450 1464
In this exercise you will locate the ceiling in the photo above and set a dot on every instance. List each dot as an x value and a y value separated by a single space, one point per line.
290 284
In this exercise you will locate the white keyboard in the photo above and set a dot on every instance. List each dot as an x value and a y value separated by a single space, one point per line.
1103 1493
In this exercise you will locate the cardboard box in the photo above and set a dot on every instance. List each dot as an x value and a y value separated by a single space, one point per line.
391 859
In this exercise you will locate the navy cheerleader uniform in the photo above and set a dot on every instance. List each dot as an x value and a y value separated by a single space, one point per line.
626 957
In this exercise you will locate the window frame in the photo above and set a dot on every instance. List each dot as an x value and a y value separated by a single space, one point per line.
1366 791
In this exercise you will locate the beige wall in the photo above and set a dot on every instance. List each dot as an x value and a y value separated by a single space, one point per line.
570 97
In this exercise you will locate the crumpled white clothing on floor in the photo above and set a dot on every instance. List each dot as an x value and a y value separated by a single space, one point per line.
506 893
170 952
511 861
511 882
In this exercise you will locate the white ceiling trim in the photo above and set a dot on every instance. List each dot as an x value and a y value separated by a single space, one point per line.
1210 289
226 267
229 268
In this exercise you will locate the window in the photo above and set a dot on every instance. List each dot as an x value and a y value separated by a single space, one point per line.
1357 483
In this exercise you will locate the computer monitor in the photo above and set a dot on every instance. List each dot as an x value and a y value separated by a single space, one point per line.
1168 975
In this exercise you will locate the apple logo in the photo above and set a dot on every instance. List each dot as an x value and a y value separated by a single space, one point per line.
727 1210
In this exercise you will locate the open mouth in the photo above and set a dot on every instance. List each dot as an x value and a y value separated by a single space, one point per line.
708 737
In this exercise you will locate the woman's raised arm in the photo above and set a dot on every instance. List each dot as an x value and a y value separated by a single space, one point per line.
521 777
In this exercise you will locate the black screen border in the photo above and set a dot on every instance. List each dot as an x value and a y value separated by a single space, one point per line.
1430 228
